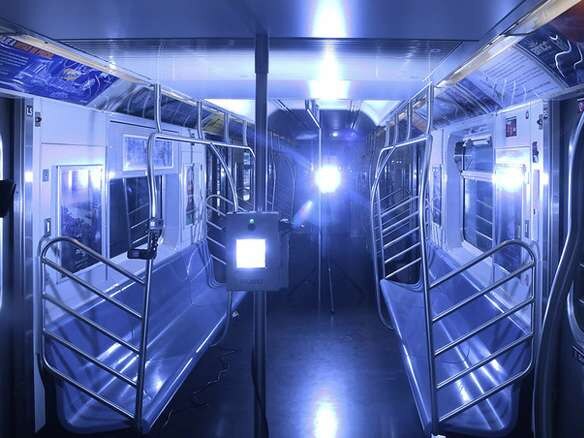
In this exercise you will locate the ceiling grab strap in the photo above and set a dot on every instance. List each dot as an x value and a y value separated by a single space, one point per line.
546 363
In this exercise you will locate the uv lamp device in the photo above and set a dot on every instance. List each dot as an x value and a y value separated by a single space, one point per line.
257 257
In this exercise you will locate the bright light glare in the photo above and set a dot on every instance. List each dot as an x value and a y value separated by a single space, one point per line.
328 179
326 422
329 84
510 179
329 20
250 253
243 107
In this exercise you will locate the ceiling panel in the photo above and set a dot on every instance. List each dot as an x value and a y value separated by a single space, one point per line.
299 69
394 19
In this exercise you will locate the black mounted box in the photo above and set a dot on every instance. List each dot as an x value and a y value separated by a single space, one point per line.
257 258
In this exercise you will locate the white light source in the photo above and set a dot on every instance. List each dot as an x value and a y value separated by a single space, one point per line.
250 253
328 178
326 422
510 179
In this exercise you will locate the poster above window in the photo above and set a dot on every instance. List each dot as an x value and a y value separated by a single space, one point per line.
135 153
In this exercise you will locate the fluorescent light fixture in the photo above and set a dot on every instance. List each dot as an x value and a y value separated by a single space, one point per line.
328 179
329 84
250 253
329 19
335 134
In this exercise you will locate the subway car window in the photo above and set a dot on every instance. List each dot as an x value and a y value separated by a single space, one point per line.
478 197
129 215
292 219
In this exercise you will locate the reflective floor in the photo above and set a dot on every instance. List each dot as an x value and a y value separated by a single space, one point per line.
329 375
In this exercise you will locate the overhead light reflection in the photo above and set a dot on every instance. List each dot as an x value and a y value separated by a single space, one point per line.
329 84
329 20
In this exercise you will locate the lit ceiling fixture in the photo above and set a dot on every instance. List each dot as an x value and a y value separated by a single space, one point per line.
329 20
329 84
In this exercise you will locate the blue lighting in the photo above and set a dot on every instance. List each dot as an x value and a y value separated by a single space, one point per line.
328 178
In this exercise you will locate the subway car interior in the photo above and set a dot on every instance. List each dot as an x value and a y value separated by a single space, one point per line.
308 218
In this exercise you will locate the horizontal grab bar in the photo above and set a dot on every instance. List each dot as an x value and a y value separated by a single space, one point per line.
483 326
90 358
403 268
219 212
399 254
219 244
401 204
91 323
484 396
486 360
217 227
403 236
89 392
483 292
93 289
93 254
482 257
398 223
223 262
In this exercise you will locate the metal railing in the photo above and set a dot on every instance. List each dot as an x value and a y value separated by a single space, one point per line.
528 335
139 350
395 221
155 228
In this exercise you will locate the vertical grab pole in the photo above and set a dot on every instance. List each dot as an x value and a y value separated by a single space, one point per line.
259 298
155 226
423 186
319 217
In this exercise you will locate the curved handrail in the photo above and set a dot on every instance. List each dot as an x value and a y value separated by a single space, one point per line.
92 253
373 199
482 257
546 361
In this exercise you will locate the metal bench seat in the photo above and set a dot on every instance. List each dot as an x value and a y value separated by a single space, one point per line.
490 368
186 315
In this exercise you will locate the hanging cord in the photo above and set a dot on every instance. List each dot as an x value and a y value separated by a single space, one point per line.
195 402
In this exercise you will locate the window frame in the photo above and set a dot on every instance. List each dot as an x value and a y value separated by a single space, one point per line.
478 176
125 200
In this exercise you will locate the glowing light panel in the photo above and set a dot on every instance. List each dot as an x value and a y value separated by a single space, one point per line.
250 253
328 179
